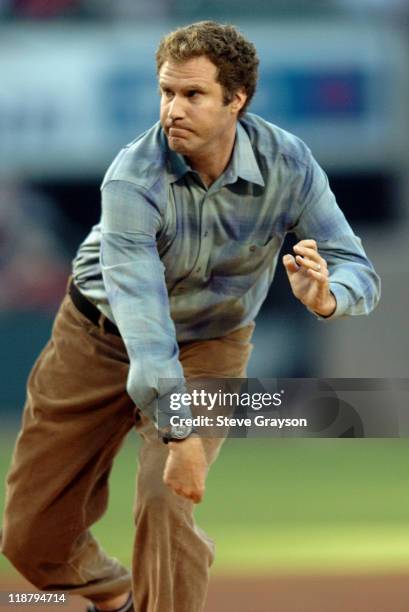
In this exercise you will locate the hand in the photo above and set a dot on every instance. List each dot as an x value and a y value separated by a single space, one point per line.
309 278
186 468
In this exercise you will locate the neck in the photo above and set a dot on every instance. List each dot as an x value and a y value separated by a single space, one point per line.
211 164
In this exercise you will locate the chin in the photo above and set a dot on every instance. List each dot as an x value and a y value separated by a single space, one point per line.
178 145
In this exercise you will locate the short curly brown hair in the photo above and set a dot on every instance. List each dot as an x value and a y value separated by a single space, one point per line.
234 57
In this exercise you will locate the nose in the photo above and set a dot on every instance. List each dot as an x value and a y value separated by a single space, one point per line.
176 109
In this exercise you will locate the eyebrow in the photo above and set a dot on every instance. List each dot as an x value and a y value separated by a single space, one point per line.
189 87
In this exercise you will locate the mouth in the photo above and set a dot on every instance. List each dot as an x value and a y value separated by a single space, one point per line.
178 132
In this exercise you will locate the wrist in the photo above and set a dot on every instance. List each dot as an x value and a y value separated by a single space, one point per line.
177 433
328 307
175 444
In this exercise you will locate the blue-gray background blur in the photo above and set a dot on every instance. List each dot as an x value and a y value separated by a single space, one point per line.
77 82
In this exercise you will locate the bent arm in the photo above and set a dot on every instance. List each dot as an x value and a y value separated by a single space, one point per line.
352 277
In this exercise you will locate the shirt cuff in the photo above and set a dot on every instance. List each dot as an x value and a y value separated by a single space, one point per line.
164 411
342 298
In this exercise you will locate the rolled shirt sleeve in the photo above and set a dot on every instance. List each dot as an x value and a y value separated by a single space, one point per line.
134 279
353 280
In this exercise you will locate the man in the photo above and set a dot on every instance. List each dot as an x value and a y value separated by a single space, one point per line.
166 288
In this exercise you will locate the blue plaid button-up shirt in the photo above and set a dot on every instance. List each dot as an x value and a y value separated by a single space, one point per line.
173 260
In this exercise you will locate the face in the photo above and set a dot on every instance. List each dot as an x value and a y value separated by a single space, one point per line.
192 112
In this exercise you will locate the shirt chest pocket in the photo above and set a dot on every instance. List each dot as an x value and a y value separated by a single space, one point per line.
246 257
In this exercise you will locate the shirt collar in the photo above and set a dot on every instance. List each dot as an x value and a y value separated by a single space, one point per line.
243 163
177 166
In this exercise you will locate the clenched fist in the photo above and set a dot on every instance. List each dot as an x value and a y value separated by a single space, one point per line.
186 468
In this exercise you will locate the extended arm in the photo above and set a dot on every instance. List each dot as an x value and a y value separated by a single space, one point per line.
134 280
135 283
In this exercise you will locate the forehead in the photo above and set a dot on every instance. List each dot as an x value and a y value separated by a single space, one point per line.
199 70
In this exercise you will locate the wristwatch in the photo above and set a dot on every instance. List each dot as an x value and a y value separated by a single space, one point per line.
176 433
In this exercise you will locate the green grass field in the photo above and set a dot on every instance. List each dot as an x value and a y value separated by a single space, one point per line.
284 506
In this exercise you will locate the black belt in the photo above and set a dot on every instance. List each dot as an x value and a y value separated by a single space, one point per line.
90 311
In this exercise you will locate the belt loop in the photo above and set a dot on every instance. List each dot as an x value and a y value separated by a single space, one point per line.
101 322
69 281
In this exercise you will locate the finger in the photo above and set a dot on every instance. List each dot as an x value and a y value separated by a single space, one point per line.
290 264
309 252
321 277
172 485
311 265
197 496
309 243
194 496
312 256
177 489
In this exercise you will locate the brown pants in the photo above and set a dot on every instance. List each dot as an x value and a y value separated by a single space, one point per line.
75 420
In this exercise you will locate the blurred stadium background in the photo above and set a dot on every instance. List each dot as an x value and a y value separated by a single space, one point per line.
77 82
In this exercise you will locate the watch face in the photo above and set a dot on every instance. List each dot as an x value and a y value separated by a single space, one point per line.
180 431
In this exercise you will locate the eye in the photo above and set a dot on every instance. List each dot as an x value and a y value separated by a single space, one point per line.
167 93
192 93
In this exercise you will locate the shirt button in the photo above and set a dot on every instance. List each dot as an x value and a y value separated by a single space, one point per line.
252 248
206 233
198 269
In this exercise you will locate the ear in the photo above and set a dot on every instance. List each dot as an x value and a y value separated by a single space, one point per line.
238 101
